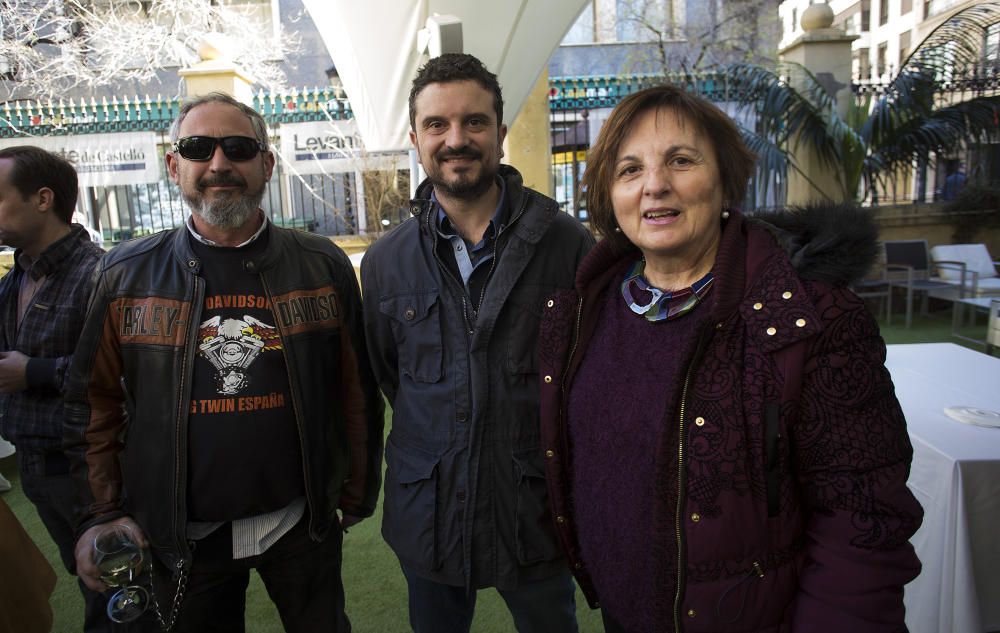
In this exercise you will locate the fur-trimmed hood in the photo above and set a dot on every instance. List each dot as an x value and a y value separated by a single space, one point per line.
833 243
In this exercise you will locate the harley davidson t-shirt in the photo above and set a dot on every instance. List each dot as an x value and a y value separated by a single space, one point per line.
244 456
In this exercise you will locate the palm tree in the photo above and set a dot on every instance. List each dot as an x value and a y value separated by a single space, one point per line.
935 104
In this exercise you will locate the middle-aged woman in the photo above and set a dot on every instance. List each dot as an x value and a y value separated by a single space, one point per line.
724 448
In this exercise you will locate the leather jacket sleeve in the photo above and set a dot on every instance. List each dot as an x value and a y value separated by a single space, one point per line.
364 410
95 415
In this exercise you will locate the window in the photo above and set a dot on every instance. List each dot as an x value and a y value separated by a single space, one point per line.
992 49
880 59
864 64
934 7
905 7
904 48
795 19
582 31
628 22
866 16
640 20
849 19
883 12
850 25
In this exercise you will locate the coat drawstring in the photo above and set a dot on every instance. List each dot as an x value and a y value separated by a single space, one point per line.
742 582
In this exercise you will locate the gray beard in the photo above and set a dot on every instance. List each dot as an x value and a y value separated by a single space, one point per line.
231 214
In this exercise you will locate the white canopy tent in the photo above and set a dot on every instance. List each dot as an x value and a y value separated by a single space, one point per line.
374 43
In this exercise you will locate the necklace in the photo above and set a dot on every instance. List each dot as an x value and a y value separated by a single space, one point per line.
662 305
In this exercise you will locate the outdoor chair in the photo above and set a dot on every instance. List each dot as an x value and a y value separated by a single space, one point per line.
876 286
908 266
980 278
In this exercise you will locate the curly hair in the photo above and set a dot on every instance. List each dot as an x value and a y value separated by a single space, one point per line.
455 67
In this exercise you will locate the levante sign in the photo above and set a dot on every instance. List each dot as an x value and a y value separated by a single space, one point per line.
329 147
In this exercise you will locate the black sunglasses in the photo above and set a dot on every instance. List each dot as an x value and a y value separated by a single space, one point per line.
201 148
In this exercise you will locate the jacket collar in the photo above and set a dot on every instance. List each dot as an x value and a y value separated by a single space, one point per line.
190 261
751 270
57 254
529 227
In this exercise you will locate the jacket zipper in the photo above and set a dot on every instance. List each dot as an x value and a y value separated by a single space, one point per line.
464 294
465 301
295 409
493 259
451 277
182 417
489 274
572 351
680 504
682 480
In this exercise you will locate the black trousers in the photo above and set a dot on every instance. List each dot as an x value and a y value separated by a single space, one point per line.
543 606
610 624
302 578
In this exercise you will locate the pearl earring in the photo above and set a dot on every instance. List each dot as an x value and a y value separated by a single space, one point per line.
725 215
618 229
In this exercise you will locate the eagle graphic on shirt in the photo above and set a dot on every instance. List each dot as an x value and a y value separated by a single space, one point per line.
232 345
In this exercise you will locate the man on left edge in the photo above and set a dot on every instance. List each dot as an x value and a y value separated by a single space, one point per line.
43 300
221 398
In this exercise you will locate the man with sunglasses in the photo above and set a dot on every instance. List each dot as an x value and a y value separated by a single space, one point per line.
222 404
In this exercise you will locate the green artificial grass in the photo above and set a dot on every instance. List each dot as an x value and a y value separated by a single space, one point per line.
374 584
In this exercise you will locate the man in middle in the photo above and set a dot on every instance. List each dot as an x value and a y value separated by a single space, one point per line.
452 304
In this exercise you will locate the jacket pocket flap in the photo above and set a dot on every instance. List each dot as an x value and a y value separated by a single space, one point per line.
530 463
409 309
411 465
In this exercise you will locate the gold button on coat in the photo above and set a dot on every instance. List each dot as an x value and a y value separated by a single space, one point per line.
771 331
758 305
700 421
548 379
692 613
786 294
696 517
550 453
800 323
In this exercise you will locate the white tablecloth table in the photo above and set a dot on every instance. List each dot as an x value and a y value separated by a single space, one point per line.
6 448
956 477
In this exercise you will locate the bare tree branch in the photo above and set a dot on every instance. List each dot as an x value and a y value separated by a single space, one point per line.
49 48
722 34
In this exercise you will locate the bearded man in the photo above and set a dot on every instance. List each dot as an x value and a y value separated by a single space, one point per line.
453 298
221 403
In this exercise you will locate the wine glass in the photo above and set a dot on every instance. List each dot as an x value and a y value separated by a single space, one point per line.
119 559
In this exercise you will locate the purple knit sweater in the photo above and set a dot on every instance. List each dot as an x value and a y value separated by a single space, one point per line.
620 430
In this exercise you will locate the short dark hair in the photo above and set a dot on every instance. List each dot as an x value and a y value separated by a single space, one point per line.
455 67
34 168
256 120
735 160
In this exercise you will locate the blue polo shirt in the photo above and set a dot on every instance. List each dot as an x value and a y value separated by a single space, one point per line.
472 261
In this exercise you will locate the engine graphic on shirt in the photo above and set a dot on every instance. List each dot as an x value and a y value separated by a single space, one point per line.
232 345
